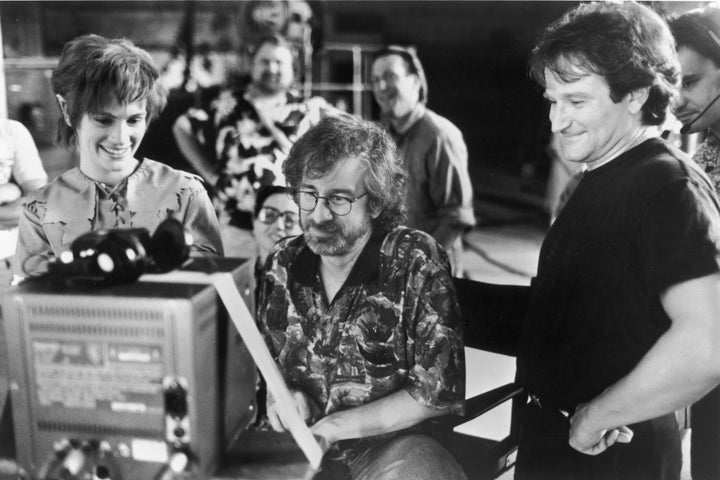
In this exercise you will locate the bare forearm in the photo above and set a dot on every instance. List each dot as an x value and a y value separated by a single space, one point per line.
9 192
446 233
193 152
34 184
388 414
677 371
266 118
682 365
282 140
10 214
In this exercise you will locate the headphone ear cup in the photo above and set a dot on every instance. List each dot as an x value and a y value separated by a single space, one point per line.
83 264
122 257
168 248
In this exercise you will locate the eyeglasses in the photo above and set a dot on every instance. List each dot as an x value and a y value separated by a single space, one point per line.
270 215
337 204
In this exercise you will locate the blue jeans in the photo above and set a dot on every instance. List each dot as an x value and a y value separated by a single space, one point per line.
411 456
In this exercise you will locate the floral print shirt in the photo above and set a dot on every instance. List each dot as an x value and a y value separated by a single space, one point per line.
708 157
394 324
244 152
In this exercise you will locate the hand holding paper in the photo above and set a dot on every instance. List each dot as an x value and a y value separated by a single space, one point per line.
285 408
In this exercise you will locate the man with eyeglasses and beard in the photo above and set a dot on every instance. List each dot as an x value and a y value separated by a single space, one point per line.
360 313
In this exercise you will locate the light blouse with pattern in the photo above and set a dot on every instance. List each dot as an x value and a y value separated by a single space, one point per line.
74 204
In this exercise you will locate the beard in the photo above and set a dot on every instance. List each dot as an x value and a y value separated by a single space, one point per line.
338 239
270 83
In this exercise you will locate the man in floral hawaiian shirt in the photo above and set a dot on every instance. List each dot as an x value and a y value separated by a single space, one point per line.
239 143
360 313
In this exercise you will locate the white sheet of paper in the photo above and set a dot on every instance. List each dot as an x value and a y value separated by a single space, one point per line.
245 324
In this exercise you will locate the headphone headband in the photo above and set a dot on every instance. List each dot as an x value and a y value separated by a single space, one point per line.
122 255
714 37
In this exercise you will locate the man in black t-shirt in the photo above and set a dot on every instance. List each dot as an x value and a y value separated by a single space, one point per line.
624 322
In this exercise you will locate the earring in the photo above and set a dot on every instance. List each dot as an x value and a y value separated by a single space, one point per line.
63 108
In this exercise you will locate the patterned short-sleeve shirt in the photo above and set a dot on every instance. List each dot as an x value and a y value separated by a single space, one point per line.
243 150
395 324
708 157
74 204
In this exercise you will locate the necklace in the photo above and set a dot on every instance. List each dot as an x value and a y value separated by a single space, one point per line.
643 135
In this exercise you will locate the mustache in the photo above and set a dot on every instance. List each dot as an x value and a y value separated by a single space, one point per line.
269 76
328 226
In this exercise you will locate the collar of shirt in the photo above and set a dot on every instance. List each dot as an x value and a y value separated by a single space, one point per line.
712 137
252 95
366 269
108 190
405 123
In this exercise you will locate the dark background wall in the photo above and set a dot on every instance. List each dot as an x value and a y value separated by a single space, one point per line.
474 54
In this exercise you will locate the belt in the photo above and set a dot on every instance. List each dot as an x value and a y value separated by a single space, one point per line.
548 405
5 263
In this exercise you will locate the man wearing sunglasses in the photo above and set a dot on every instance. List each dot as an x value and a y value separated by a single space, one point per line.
361 314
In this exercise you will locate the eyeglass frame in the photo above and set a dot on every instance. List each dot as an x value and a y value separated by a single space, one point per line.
328 205
278 214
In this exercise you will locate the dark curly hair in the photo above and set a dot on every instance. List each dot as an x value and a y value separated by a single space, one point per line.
699 30
627 44
342 136
264 193
93 71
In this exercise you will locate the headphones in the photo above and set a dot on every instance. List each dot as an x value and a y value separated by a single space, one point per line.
122 255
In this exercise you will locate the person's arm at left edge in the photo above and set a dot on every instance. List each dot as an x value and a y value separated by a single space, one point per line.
10 205
682 366
27 172
450 187
12 198
201 222
439 370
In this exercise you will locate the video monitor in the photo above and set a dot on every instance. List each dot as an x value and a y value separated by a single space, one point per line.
132 372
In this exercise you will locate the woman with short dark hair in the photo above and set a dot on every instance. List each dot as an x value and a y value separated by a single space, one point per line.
108 92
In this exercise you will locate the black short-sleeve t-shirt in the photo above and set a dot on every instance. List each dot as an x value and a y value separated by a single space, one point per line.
643 222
